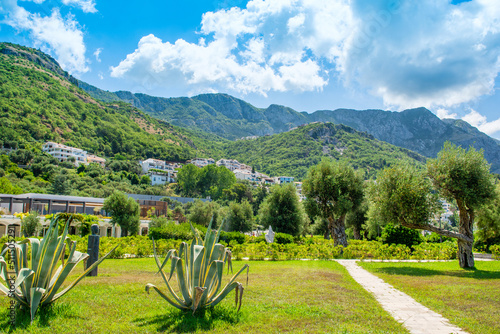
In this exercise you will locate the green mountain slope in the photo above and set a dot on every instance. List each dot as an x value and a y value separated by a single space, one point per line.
40 102
292 153
418 129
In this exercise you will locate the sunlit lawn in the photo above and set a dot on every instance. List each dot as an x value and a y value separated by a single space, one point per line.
294 296
470 299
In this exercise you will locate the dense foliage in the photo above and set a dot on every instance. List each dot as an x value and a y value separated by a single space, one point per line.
402 195
283 211
400 235
210 180
333 189
124 211
292 153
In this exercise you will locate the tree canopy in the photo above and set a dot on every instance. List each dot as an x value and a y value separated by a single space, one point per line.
464 177
124 211
283 210
332 190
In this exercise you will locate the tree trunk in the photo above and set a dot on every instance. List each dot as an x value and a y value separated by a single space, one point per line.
337 230
465 255
357 233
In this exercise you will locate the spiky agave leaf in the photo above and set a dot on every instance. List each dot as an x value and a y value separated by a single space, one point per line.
39 280
199 269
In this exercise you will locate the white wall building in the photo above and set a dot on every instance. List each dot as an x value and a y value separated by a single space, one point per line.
148 164
160 178
243 174
201 162
63 152
283 179
232 165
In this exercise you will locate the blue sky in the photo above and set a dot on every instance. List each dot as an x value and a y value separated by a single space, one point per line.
305 54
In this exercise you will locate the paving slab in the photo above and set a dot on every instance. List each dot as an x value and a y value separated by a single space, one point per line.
417 318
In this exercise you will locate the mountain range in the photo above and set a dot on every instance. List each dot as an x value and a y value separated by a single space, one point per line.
42 102
417 129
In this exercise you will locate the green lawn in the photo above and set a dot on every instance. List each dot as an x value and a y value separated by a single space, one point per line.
291 296
470 299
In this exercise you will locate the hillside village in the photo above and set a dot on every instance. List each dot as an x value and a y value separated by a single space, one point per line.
161 172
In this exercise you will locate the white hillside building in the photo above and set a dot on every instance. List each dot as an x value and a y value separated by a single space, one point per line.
202 162
62 152
160 177
244 174
148 164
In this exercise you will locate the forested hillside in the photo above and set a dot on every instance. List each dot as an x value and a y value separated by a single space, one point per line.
292 153
40 104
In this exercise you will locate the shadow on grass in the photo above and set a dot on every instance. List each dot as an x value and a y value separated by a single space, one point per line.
466 273
43 317
178 321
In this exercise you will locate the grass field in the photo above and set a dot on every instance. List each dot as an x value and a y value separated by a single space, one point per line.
470 299
291 296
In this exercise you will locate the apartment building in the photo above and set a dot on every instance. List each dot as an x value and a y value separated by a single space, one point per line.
148 164
283 179
62 152
161 177
244 174
232 165
201 162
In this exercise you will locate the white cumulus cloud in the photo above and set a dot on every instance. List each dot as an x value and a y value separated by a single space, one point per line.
50 31
444 113
88 6
410 53
480 121
97 54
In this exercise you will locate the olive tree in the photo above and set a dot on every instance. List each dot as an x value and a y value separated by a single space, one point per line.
402 195
332 190
464 177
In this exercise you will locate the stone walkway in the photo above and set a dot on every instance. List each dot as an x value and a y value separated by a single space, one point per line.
417 318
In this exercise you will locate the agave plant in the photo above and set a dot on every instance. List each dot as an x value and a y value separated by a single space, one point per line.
199 268
38 280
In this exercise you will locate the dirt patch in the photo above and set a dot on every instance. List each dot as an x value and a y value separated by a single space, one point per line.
146 126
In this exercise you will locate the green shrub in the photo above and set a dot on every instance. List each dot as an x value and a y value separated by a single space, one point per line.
400 235
432 251
227 237
175 231
495 250
283 238
260 238
158 221
30 224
